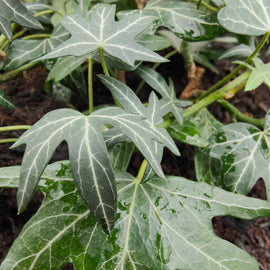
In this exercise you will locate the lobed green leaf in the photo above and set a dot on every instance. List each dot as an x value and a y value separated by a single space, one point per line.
160 225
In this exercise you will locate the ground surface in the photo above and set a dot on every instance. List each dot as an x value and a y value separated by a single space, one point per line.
32 103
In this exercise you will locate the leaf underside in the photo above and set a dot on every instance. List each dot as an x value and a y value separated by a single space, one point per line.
160 225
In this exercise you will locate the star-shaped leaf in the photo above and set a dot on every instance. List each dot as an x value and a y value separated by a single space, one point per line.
246 17
98 29
88 154
169 102
243 154
15 11
259 74
160 225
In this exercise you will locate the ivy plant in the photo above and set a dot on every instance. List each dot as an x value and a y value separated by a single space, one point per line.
95 213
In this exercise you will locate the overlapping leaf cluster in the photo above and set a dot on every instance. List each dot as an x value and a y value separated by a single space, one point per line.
147 222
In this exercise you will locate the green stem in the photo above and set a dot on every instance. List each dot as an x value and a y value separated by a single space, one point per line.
37 36
90 85
103 63
8 140
239 115
199 4
231 87
12 74
19 34
155 66
205 4
237 69
44 12
141 172
10 128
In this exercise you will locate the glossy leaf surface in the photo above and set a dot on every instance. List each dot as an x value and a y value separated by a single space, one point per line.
170 221
15 11
196 129
184 20
243 152
169 102
98 29
246 17
5 101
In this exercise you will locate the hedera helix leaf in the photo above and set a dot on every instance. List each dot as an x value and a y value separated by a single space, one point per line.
22 51
196 128
98 29
90 162
246 17
160 225
5 101
15 11
259 74
243 153
169 102
181 18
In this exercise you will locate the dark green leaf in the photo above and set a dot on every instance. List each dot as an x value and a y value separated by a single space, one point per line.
15 11
160 225
5 101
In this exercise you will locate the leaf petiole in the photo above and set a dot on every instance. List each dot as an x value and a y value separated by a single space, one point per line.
90 85
219 94
102 60
141 172
10 128
8 140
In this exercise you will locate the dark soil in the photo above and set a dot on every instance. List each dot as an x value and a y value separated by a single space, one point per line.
32 103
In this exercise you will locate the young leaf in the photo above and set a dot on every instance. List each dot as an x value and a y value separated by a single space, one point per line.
181 18
169 102
160 225
260 74
196 129
22 51
243 151
249 17
99 30
5 101
15 11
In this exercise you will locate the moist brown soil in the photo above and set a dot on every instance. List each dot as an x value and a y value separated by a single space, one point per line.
31 102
